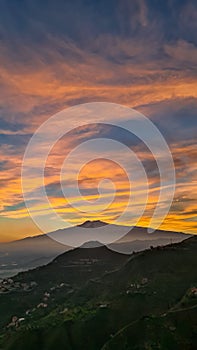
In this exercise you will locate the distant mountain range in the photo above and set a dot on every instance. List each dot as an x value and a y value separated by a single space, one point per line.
35 251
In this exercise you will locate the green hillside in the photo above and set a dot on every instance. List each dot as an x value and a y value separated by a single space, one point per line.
98 299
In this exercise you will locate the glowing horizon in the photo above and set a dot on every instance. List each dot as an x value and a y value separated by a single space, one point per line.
144 58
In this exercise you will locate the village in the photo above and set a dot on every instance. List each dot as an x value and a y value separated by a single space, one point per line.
8 285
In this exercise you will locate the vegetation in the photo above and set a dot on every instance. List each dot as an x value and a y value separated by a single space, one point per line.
98 299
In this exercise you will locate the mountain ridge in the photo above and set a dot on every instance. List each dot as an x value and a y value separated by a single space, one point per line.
35 251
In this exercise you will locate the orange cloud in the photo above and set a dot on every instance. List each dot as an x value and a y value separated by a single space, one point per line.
112 70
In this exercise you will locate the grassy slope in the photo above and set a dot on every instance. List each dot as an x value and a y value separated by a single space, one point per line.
123 324
61 270
176 331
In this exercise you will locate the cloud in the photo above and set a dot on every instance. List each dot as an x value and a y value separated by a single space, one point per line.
138 53
183 53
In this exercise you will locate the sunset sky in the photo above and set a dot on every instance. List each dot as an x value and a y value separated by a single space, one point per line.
57 54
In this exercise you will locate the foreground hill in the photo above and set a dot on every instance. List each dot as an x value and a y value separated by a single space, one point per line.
32 252
98 299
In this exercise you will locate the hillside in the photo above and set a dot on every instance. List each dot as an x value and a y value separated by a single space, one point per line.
94 298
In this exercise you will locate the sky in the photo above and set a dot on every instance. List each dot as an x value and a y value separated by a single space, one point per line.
57 54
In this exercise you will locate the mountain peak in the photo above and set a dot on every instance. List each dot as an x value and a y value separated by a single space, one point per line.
92 224
91 244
